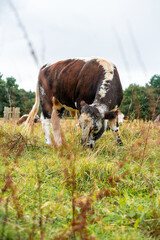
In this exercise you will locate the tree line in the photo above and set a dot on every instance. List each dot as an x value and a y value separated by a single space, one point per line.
12 96
142 102
138 101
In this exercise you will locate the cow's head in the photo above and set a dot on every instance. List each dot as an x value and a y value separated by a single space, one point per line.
91 123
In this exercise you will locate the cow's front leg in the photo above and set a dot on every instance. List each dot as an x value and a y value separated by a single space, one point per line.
114 126
55 120
46 129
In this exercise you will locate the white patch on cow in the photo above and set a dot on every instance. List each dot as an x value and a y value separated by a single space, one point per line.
75 104
42 91
109 71
55 120
46 129
105 123
120 117
102 109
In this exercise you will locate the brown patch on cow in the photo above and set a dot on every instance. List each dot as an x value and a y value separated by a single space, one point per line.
56 104
111 115
73 113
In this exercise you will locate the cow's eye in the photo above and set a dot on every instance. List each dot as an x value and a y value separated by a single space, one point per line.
95 129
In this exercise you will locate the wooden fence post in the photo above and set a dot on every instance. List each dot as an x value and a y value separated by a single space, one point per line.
11 113
17 113
5 114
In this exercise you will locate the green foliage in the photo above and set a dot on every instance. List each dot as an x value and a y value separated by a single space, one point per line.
142 102
155 85
3 95
155 82
136 102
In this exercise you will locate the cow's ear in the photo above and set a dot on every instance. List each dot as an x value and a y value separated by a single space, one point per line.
110 115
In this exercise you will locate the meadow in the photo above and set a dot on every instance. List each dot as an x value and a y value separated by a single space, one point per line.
111 192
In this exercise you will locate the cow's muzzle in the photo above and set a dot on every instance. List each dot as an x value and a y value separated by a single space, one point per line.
89 144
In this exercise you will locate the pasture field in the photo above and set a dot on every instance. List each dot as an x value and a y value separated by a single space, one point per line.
110 192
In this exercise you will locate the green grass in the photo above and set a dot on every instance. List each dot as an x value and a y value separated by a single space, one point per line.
109 192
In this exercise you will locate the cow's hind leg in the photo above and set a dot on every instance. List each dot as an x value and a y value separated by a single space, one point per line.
57 113
114 126
45 118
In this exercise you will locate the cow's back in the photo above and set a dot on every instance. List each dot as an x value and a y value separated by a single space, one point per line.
73 80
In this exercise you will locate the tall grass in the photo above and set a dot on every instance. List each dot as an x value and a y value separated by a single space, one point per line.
72 192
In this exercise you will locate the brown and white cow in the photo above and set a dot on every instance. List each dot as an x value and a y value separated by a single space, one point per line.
90 86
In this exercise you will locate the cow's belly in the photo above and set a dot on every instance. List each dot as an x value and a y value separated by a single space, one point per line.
69 108
58 106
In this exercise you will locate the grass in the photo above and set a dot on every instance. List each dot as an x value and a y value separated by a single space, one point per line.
72 192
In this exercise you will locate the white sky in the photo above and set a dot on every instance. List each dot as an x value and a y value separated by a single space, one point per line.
126 32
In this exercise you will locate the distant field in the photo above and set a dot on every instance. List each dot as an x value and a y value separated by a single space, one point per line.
72 192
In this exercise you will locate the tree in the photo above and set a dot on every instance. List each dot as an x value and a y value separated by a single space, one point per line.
154 85
136 102
12 91
3 95
12 96
155 82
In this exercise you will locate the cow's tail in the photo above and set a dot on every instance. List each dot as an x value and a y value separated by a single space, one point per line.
30 120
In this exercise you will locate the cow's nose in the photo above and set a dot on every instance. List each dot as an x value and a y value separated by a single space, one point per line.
90 145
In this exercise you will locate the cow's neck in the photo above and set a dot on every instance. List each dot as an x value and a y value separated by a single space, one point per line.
102 108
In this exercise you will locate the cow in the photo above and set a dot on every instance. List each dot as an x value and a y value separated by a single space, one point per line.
91 86
24 118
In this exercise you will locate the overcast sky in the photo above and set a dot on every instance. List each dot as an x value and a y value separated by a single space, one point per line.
126 32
